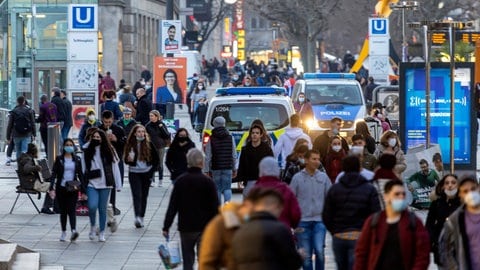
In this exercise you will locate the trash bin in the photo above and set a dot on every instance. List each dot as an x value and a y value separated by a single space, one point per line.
54 141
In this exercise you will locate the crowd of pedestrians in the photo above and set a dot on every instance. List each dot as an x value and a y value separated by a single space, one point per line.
294 191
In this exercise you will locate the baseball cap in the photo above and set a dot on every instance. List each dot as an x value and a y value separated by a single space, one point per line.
127 110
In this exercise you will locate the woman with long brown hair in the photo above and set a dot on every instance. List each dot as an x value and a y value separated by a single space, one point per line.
101 175
143 160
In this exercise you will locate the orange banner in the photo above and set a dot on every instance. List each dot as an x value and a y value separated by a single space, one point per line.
169 80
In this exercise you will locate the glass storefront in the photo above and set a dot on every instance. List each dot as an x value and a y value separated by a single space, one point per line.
33 44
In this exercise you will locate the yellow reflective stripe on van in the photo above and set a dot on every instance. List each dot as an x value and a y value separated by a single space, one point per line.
242 141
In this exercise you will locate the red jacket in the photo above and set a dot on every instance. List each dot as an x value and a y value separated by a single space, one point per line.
291 213
415 246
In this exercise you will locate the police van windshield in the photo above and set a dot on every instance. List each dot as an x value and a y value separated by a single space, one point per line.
239 116
321 94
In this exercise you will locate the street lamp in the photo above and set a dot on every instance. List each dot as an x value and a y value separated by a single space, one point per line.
403 6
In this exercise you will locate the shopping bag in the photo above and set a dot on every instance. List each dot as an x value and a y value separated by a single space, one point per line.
170 254
82 207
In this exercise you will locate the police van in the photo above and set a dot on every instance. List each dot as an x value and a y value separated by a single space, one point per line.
332 95
240 106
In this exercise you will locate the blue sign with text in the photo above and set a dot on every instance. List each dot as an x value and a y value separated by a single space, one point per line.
83 17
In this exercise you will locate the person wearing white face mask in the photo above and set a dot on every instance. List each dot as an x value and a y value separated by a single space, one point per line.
459 241
390 143
303 108
199 93
448 201
393 238
334 157
90 121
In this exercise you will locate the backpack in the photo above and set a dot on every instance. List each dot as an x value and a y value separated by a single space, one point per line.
22 121
51 114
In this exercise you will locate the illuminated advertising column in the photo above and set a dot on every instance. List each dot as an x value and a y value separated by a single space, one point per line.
239 44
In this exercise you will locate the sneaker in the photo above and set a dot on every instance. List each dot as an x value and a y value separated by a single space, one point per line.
47 211
92 233
138 222
8 162
113 226
74 236
63 236
101 237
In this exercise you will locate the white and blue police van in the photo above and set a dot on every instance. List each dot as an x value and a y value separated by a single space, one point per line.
240 106
331 95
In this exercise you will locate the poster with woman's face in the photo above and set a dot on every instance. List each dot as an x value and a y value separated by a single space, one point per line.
169 80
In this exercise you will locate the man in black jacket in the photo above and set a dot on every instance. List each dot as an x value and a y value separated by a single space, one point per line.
68 122
144 106
194 198
264 242
116 136
221 156
348 204
21 126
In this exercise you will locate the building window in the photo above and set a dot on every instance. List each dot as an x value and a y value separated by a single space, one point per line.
254 23
262 23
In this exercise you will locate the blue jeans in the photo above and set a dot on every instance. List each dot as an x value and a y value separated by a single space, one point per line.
21 145
344 251
312 239
98 199
223 181
65 130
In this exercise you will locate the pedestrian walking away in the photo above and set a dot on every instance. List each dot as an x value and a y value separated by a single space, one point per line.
194 198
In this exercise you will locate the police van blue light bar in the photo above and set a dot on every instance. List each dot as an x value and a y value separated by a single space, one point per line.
250 91
348 76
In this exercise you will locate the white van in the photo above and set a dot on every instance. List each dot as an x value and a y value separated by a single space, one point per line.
194 62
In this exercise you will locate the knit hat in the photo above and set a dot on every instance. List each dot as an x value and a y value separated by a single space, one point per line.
127 110
89 111
219 121
268 167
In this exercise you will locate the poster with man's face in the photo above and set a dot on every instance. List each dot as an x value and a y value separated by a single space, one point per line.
171 36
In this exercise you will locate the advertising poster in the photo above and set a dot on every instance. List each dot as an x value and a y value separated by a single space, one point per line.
170 80
171 36
413 104
82 76
81 101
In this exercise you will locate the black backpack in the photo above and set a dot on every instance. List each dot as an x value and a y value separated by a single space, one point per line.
22 121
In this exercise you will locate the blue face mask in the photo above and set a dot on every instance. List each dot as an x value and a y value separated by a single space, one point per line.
69 149
399 205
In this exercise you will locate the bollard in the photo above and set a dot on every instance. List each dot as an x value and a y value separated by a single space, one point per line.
170 110
54 140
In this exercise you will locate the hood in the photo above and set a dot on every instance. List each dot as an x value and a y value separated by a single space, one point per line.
229 212
352 179
220 132
293 133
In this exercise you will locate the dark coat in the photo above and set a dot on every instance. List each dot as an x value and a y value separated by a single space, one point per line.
322 143
68 113
348 204
176 159
264 243
61 108
194 198
127 128
154 162
120 134
250 157
27 171
144 106
438 212
158 132
58 170
414 245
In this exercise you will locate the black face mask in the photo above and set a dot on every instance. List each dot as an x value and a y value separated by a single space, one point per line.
95 142
182 139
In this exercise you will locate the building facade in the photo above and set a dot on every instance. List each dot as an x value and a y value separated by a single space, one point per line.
33 43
